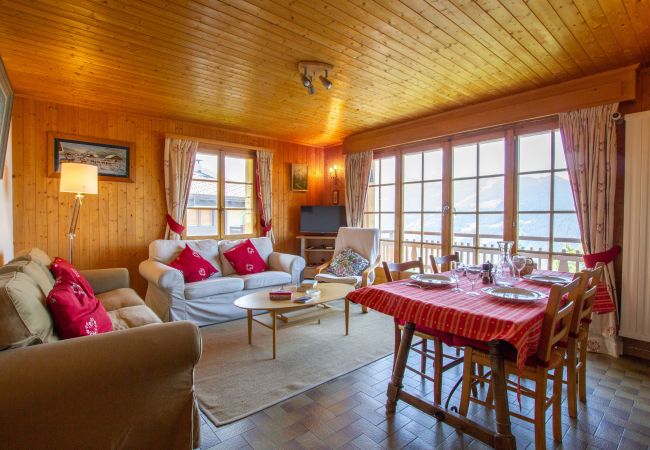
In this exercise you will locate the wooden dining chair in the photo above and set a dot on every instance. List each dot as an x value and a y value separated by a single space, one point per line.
394 271
576 354
440 260
549 357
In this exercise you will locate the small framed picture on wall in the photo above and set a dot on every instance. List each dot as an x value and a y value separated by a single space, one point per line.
299 177
115 160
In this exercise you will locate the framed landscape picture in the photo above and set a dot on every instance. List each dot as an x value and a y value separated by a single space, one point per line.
115 160
299 177
6 103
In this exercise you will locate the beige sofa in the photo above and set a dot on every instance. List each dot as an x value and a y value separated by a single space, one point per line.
130 388
211 301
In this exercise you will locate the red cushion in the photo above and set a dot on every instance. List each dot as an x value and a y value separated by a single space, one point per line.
194 266
245 258
62 268
75 313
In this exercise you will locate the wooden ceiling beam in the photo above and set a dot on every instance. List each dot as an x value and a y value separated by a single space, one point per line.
607 87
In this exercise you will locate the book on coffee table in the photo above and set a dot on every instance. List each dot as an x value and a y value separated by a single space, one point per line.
280 295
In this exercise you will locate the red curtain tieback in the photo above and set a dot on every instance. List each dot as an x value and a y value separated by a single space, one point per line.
603 257
173 225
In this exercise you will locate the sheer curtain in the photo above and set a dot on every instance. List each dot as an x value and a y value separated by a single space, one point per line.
357 175
180 155
263 178
589 137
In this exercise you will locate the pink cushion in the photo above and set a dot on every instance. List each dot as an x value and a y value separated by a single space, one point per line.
245 258
74 312
194 266
62 268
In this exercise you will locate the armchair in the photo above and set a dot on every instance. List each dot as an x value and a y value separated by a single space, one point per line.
364 241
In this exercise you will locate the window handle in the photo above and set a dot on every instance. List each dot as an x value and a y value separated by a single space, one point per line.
445 209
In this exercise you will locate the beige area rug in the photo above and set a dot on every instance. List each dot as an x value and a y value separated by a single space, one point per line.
234 379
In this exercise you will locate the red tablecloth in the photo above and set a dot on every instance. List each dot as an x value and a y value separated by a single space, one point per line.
481 318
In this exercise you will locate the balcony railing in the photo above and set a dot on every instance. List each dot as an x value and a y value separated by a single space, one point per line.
471 253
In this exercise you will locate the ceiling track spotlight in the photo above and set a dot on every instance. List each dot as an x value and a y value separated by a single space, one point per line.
311 69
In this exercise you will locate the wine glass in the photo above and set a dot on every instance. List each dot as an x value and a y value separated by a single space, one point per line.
473 274
519 261
457 270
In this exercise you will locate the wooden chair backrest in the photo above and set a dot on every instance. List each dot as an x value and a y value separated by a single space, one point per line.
398 268
589 280
435 260
557 317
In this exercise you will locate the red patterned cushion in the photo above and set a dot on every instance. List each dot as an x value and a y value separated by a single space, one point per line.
75 313
245 258
194 266
62 268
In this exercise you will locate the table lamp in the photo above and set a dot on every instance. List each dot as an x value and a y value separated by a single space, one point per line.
78 179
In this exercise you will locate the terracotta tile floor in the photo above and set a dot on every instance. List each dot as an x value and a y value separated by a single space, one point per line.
348 412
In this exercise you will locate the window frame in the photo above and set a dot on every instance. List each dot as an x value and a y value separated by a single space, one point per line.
222 153
510 213
550 254
476 141
378 156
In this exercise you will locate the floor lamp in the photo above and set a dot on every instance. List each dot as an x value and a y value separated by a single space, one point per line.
78 179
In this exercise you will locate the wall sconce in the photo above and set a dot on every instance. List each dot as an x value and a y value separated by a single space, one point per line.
309 71
335 176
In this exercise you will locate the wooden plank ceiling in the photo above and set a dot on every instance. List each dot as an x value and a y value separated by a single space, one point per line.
233 63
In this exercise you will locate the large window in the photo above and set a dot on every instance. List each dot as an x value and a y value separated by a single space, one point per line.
221 196
467 193
422 205
380 206
547 223
478 176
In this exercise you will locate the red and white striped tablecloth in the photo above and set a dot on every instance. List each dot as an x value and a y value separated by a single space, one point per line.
481 318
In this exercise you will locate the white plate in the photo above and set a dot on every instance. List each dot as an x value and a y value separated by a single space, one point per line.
546 279
432 279
513 294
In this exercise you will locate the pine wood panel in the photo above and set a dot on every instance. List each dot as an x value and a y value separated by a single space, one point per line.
334 156
234 62
117 225
617 85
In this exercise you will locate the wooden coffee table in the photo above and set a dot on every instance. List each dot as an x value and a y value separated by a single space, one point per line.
282 310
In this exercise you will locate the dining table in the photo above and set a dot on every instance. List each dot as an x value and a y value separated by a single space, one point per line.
462 319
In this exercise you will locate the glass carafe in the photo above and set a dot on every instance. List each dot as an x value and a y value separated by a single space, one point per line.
504 271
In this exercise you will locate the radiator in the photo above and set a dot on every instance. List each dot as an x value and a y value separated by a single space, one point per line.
635 289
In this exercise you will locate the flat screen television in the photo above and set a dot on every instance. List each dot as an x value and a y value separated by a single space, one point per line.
322 219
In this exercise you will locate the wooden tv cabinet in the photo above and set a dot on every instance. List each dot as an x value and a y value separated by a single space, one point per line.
316 249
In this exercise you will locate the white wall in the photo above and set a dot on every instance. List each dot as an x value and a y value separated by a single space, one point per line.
6 210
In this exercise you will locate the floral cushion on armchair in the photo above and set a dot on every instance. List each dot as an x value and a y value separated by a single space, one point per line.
348 263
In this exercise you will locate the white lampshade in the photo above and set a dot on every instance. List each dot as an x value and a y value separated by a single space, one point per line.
78 178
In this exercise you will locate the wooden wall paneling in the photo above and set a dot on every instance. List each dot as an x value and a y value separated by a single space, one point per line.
607 87
117 225
334 156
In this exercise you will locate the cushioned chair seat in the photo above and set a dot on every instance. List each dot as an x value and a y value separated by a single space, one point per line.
329 278
119 298
132 316
263 279
212 286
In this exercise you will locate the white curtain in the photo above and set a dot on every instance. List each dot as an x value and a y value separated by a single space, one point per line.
263 175
589 137
357 175
180 155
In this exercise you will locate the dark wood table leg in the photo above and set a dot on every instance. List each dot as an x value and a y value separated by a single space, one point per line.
395 385
503 438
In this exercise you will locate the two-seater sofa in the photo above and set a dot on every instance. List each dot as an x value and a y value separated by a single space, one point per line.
129 388
212 300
